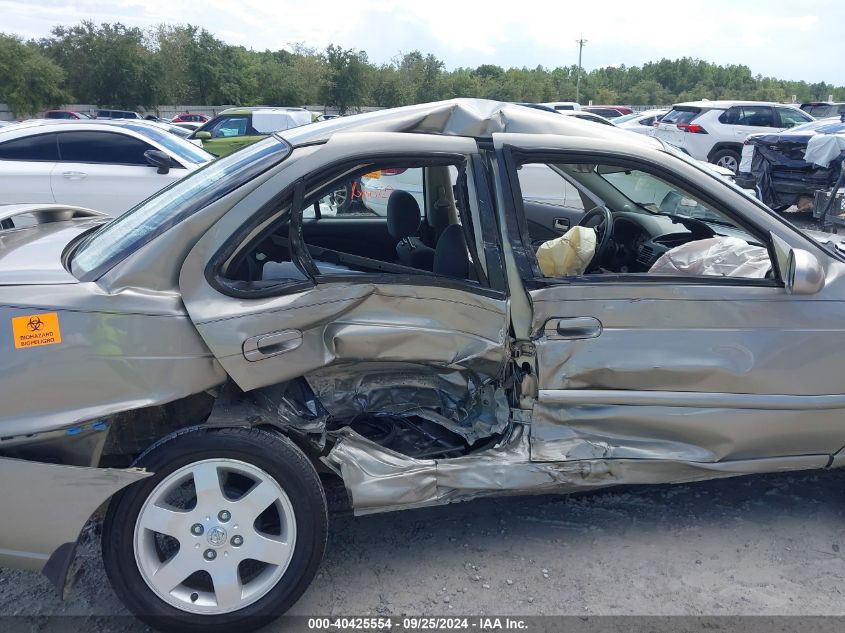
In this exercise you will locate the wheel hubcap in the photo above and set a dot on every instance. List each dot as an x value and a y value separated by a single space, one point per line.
214 536
728 162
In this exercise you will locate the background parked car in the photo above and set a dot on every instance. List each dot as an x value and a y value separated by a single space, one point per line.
608 112
107 166
563 105
189 117
641 122
586 115
238 127
65 114
823 109
578 114
117 114
190 126
715 130
774 164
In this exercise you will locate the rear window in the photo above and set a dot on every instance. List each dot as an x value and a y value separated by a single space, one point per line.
681 115
820 111
35 147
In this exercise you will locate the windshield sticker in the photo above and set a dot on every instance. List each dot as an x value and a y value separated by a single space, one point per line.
36 330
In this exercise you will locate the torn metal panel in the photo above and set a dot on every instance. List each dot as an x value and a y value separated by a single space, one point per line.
57 500
291 406
461 401
380 480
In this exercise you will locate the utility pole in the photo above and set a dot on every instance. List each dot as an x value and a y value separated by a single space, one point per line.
580 43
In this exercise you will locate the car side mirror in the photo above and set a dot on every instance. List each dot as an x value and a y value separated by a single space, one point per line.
203 136
158 159
800 270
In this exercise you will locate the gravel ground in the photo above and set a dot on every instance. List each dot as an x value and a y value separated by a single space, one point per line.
756 545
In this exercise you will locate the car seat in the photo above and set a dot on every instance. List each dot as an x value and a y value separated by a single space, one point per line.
403 222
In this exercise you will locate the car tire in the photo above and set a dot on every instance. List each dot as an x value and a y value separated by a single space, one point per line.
229 591
342 198
727 158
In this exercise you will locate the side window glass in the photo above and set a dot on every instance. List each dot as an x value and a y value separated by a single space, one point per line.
102 147
40 147
789 117
231 126
367 195
540 183
362 238
752 116
730 116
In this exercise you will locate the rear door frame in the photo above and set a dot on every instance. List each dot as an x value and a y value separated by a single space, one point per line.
450 322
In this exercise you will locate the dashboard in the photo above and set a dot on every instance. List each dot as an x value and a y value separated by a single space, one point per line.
638 240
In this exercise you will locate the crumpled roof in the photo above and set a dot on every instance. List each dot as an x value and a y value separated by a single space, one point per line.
477 118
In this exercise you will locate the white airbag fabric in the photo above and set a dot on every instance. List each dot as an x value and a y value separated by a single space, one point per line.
569 254
823 148
716 256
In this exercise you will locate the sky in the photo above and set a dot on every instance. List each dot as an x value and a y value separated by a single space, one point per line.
787 39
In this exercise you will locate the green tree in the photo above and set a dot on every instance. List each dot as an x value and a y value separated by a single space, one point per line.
29 80
109 64
345 83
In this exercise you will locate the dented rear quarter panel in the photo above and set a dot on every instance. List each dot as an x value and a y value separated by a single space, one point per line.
118 352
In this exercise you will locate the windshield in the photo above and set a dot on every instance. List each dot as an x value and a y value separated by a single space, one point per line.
655 195
832 128
183 149
116 240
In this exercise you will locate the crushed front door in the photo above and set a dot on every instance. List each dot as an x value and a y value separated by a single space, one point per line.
700 372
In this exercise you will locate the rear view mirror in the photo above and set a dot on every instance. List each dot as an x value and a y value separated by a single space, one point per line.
800 270
203 136
158 159
805 275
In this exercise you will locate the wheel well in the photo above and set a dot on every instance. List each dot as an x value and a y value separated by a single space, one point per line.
132 432
718 147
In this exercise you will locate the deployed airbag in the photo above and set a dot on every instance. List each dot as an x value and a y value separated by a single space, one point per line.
569 254
719 256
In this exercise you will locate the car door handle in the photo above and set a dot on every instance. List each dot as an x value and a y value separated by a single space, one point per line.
568 328
74 175
562 224
272 344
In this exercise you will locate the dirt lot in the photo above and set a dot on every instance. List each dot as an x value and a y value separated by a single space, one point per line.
759 545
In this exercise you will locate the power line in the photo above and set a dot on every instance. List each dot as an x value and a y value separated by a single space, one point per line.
580 43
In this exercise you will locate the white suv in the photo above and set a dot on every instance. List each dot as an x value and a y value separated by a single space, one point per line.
715 130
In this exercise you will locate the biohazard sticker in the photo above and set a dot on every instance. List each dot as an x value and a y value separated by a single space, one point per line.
36 330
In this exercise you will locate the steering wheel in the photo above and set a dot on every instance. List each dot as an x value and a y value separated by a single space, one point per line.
603 228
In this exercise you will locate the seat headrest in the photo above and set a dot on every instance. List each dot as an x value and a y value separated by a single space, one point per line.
403 214
450 256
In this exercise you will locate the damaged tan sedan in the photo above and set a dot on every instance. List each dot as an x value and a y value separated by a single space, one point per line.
547 306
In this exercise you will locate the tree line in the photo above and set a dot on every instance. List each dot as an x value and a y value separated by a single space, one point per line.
129 67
